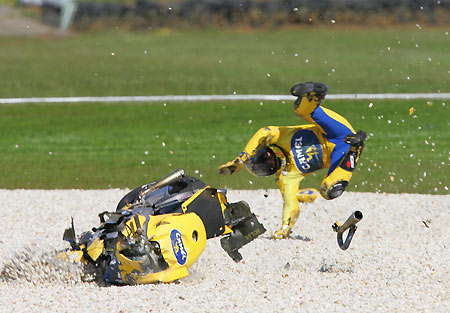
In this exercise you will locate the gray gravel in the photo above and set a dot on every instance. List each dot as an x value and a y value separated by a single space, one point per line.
398 260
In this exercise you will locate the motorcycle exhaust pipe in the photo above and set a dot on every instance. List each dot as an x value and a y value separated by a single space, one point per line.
171 178
350 224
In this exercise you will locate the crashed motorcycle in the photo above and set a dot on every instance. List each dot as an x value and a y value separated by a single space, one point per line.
158 230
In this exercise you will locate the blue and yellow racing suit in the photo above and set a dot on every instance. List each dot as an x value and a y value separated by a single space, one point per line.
306 149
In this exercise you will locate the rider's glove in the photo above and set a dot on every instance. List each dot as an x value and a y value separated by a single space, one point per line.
234 166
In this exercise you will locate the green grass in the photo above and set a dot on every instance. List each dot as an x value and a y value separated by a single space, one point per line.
214 62
124 145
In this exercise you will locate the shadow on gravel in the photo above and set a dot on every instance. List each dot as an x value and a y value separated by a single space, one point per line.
296 237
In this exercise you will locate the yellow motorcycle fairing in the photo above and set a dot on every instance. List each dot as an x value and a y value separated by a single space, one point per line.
181 239
142 243
72 255
95 249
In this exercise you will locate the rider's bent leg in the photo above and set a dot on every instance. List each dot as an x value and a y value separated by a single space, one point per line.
307 106
331 123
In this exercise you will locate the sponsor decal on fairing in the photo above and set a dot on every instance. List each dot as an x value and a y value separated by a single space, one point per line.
178 246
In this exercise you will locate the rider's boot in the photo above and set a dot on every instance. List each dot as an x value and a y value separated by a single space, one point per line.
283 232
313 92
356 140
309 96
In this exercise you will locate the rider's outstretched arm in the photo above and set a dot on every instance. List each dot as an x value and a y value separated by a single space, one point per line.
264 136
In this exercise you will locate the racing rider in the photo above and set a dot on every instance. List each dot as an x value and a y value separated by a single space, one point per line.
293 152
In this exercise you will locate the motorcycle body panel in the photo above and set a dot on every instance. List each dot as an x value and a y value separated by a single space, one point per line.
156 234
181 239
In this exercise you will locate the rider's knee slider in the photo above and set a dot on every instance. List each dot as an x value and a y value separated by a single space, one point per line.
335 190
335 183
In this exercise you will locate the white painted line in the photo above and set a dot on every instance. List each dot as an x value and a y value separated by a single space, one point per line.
192 98
403 96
